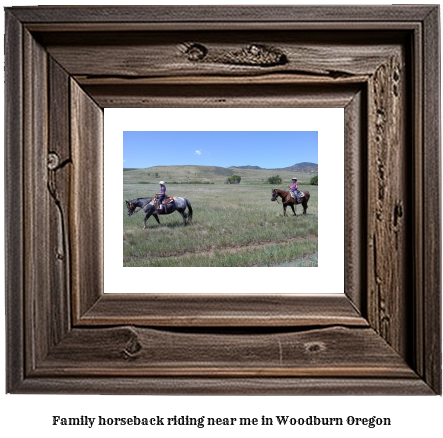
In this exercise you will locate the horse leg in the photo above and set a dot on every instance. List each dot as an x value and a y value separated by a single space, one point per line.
293 211
305 207
184 217
284 210
156 218
146 218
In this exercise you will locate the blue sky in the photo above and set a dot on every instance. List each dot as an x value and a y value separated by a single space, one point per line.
267 149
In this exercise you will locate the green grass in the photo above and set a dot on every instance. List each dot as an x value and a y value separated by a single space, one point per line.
233 225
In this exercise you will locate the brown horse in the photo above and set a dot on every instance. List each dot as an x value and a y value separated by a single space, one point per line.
289 200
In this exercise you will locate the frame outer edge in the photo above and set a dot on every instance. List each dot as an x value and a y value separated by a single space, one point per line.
14 196
14 236
220 13
228 386
432 202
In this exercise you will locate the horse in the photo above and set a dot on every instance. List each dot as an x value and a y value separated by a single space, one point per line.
289 200
148 206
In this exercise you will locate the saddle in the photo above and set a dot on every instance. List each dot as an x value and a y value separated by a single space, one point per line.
300 194
164 202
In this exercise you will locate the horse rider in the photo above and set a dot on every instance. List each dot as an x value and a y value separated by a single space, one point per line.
161 195
294 188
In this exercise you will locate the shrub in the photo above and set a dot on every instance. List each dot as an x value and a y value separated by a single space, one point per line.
274 179
234 179
314 180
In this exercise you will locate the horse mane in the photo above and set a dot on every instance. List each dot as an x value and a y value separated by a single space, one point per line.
281 190
138 199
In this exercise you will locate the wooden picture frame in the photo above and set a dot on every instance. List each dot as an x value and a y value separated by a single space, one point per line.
65 64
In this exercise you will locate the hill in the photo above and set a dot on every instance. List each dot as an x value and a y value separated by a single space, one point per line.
214 174
304 167
246 167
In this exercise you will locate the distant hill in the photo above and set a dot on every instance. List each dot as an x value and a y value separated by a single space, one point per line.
214 174
302 167
246 167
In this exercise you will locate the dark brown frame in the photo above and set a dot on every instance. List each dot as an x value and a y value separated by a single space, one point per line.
64 65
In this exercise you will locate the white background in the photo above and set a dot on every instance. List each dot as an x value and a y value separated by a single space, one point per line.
329 122
30 415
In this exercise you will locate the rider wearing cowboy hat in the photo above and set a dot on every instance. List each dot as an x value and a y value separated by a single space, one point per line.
294 188
162 194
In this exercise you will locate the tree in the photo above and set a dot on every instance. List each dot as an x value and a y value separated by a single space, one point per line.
234 179
314 180
274 179
156 174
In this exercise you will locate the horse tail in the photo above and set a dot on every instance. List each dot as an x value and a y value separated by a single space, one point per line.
189 209
307 195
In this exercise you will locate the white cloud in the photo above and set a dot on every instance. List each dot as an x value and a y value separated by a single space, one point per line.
198 152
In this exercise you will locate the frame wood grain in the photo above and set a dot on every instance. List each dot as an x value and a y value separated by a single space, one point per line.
64 65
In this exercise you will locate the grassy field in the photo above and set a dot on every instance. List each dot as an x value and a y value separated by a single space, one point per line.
233 225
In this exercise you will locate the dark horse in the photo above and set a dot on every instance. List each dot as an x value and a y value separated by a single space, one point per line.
289 200
148 206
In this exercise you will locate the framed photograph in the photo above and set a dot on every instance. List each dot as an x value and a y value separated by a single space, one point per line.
378 331
243 210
